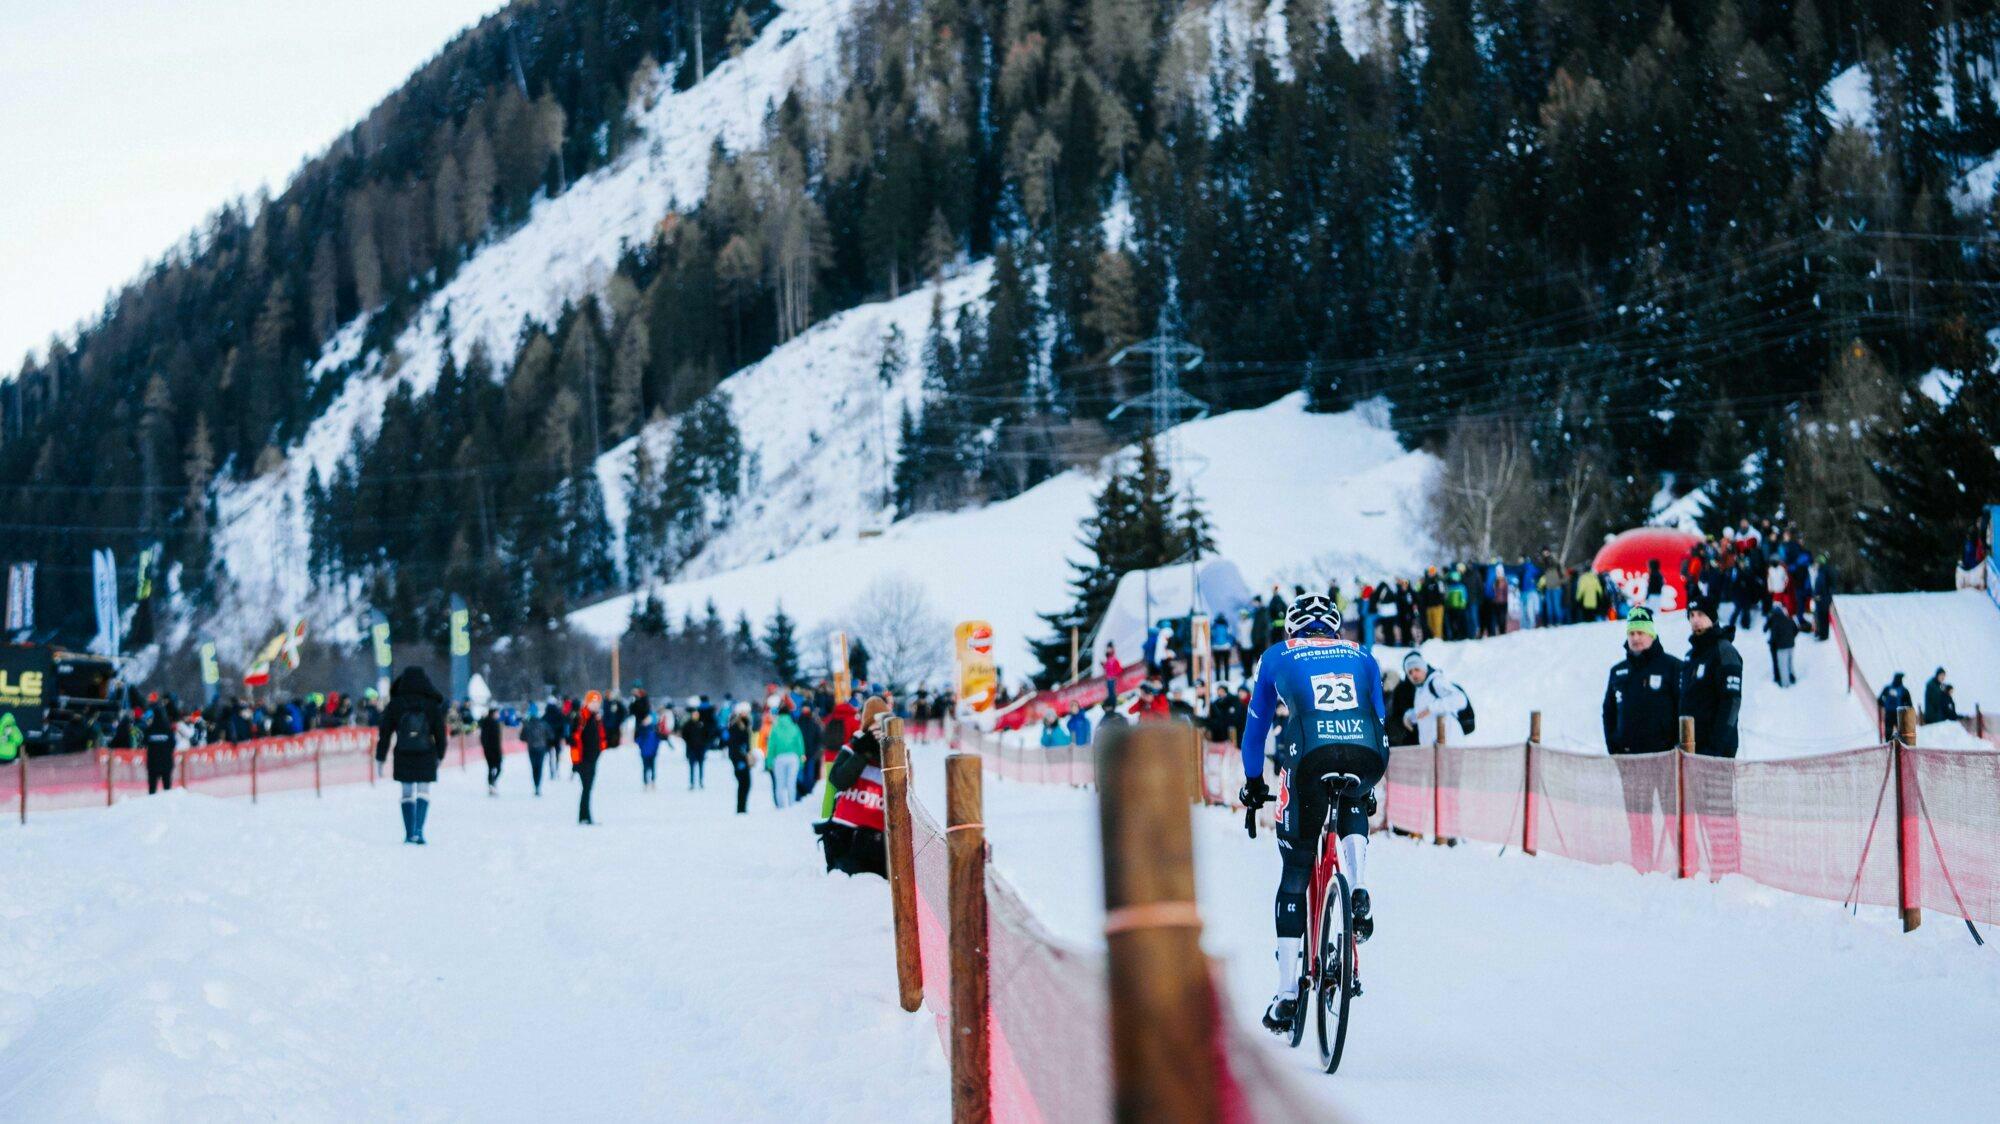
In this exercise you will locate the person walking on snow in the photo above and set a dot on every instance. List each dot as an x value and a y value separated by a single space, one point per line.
784 752
646 736
413 724
696 731
1784 634
586 745
159 752
489 745
537 736
737 740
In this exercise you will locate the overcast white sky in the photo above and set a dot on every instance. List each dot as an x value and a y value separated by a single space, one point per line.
125 123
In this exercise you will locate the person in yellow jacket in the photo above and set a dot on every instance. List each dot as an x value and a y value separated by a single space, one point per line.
784 753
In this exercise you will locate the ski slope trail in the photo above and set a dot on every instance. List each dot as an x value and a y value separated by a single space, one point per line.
1517 988
188 958
1917 633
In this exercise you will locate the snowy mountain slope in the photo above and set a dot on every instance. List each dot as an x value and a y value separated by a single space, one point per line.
1290 495
566 250
1505 987
818 428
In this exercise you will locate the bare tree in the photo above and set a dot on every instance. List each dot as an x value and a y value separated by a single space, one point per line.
909 643
1482 497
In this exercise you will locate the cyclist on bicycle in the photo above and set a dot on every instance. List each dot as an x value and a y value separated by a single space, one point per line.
1332 691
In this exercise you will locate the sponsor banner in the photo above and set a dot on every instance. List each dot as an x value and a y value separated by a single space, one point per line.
978 680
843 678
461 649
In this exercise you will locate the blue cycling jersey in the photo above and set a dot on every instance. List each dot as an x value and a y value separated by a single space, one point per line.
1332 691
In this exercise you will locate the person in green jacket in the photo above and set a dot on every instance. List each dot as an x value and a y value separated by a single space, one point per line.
784 753
10 738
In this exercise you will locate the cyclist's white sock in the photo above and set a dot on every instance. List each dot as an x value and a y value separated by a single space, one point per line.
1354 859
1288 964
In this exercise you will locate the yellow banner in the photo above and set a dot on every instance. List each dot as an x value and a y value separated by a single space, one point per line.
978 681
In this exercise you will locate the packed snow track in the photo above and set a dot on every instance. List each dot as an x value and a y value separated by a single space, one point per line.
187 958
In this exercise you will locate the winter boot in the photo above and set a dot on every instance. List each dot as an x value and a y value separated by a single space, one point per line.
423 812
409 821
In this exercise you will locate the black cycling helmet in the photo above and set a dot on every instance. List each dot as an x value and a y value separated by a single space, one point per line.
1313 613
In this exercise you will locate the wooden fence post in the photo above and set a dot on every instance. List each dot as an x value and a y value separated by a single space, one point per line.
1437 785
110 759
316 753
22 780
1163 1005
1528 782
1906 823
902 867
256 750
971 1045
1682 752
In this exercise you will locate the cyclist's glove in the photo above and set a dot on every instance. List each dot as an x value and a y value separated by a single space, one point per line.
1255 793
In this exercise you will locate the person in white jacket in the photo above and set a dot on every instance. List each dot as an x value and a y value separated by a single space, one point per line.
1436 697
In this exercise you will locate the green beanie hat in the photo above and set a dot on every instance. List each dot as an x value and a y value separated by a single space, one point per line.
1641 620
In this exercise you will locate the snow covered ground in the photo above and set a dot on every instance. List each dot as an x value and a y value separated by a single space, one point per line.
1517 988
1917 633
189 958
1562 672
1252 470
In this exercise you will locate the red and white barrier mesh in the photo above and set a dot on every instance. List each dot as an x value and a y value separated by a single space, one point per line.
314 760
1837 826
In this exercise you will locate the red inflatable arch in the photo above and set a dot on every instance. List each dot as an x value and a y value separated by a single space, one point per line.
1624 560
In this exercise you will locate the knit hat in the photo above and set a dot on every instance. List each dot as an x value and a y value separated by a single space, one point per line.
1706 604
1641 620
1414 659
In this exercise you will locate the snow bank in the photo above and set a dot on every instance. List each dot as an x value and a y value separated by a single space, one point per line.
1290 494
1562 672
1917 633
292 960
1516 988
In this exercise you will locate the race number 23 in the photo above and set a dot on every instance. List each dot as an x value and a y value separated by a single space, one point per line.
1334 691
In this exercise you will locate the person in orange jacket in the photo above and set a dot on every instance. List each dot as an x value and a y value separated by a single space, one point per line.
584 747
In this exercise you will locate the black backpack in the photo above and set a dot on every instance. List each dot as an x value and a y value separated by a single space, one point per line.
413 733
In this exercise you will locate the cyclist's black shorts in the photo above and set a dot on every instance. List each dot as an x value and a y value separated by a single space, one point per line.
1302 799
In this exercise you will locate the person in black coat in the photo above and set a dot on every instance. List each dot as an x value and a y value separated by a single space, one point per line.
736 739
1402 699
1712 683
159 752
1712 695
413 723
489 744
1894 699
1642 706
697 730
1784 633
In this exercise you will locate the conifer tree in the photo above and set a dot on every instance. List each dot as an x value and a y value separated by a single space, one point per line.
781 646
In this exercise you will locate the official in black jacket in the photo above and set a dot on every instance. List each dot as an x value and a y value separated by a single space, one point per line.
414 723
1712 683
490 747
1712 695
159 752
1642 698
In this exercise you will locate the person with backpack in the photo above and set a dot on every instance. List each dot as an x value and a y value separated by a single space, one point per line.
413 723
586 745
646 736
537 736
1435 697
489 745
851 830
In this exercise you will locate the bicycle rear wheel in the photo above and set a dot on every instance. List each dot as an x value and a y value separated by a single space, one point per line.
1335 983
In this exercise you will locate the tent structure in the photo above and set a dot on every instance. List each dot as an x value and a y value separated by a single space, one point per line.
1213 586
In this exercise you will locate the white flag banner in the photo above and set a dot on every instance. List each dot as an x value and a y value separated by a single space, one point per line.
20 597
104 571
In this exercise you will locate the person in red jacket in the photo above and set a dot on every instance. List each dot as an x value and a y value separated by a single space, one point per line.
585 746
1153 705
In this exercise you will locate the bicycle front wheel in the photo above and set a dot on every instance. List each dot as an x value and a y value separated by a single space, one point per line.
1336 973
